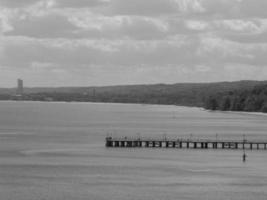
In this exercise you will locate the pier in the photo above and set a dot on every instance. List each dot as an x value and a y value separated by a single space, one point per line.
127 142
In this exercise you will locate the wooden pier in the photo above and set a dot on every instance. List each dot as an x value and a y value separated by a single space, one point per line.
126 142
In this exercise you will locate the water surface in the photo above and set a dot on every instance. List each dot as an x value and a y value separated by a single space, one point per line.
56 151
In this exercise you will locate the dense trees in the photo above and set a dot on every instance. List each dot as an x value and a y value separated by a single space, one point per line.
253 100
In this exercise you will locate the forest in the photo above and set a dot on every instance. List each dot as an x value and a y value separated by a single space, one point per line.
249 100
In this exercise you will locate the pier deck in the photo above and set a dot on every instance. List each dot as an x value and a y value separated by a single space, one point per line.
126 142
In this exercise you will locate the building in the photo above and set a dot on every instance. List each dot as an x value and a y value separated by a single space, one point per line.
20 87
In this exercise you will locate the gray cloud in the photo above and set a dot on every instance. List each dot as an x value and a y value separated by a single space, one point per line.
79 3
235 8
139 7
155 7
51 26
253 8
185 51
16 3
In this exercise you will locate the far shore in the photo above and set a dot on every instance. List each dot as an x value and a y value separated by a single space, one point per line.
93 102
141 104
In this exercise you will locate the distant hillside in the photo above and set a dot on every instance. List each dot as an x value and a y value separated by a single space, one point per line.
187 94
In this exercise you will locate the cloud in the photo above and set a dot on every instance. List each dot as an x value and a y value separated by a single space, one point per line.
21 51
52 26
16 4
70 24
196 25
221 50
81 52
120 27
233 9
245 71
244 31
145 40
252 30
155 7
5 25
253 26
253 8
79 3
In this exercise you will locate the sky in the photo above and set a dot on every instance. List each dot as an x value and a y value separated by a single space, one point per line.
117 42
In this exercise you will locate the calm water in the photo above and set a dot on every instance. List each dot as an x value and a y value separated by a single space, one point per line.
56 151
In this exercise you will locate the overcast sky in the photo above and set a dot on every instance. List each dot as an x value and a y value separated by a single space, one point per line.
107 42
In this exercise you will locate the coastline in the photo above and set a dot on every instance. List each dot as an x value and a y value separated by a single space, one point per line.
236 112
141 104
248 113
99 102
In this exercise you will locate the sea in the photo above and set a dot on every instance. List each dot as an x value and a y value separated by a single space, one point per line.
56 151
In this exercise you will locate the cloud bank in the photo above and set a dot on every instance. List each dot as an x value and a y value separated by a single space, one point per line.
107 42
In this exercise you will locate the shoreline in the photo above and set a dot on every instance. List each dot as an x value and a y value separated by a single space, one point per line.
141 104
236 112
91 102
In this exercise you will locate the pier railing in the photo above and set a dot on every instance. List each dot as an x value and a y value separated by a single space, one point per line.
194 143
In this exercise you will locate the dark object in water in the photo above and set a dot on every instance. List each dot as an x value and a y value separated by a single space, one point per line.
244 157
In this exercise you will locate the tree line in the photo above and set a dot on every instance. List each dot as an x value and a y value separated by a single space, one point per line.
253 100
234 96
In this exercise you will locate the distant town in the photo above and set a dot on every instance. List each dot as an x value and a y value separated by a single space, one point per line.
250 96
20 95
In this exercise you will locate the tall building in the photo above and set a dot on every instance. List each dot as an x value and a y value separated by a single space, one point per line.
20 87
